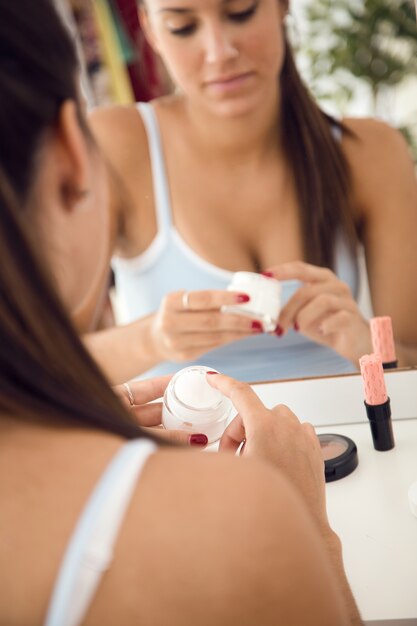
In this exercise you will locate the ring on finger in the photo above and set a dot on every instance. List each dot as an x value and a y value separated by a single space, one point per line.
186 300
129 394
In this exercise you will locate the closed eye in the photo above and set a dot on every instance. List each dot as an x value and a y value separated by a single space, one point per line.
184 31
242 16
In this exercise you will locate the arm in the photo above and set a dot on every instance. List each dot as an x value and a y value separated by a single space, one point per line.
385 205
386 190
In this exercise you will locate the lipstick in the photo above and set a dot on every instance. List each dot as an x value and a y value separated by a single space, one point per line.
383 341
377 403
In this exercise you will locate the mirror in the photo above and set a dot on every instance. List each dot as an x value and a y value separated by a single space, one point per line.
359 59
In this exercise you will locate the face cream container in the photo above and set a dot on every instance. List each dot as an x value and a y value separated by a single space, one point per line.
191 404
340 456
265 298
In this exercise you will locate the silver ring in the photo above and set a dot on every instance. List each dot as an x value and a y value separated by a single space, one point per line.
129 394
185 300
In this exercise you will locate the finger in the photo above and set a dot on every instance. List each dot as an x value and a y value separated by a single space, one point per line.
206 322
208 300
148 414
146 390
290 312
335 323
244 399
175 436
313 315
233 436
298 270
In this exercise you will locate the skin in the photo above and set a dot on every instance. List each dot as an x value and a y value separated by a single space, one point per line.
182 555
230 137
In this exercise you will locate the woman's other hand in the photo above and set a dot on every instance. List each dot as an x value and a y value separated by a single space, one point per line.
139 397
278 437
324 310
190 323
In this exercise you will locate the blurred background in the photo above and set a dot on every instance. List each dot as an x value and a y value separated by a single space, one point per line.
359 57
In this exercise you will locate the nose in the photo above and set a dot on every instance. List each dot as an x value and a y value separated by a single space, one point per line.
219 46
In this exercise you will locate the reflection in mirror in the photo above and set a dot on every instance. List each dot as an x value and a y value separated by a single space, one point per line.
240 169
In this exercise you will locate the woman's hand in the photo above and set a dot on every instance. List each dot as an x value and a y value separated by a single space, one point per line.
190 323
324 310
138 397
277 436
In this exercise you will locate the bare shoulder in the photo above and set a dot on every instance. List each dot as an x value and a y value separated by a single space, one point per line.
373 137
211 539
118 130
380 162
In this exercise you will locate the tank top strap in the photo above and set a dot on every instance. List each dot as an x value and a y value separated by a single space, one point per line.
90 549
159 175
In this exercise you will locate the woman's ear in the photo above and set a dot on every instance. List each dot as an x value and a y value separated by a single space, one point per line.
73 154
147 28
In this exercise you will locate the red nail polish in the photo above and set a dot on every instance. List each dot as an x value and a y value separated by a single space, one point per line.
242 297
296 327
212 372
279 331
198 440
267 274
257 326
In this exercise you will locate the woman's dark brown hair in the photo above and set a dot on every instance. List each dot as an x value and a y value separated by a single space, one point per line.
320 170
45 372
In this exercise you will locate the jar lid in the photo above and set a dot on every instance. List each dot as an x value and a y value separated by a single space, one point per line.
340 456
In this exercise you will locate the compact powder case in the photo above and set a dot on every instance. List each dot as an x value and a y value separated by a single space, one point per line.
340 456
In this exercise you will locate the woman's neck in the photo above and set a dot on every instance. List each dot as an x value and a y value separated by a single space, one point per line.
253 135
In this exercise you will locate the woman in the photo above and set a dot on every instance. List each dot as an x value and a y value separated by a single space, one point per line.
240 170
207 539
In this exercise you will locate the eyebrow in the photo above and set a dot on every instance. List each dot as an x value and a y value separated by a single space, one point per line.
186 9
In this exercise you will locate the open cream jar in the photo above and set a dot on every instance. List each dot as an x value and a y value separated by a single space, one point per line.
191 404
265 298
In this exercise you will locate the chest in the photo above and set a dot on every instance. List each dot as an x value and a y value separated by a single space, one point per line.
243 217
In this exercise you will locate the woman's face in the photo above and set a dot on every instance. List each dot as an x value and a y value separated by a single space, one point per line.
224 55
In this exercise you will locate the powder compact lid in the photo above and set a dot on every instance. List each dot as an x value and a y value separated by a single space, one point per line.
340 456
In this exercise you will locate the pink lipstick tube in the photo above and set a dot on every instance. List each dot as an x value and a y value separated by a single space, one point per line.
377 403
383 341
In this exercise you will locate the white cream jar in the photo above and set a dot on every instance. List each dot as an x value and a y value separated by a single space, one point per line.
191 404
265 298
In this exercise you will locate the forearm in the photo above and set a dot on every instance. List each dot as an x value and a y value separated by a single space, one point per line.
334 549
124 352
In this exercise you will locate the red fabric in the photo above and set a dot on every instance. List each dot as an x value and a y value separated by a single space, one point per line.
143 73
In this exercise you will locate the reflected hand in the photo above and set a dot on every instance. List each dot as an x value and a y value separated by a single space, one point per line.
148 413
278 437
189 324
324 310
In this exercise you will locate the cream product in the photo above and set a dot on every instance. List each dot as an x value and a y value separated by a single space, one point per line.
265 298
377 403
191 404
340 456
383 341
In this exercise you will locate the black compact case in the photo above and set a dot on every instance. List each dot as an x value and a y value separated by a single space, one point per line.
345 458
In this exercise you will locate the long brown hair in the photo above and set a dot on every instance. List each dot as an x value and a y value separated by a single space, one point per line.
44 369
320 170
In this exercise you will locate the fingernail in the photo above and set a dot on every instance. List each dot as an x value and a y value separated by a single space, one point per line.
267 274
256 326
296 327
198 440
242 297
212 372
279 330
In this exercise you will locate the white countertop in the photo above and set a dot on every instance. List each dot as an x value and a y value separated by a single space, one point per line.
369 508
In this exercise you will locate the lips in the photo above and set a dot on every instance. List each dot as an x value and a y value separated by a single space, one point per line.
231 78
